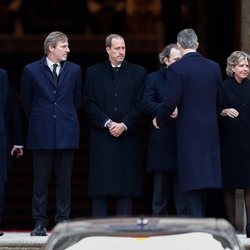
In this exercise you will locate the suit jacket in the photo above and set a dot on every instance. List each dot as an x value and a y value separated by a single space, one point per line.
115 163
162 152
51 110
194 83
12 115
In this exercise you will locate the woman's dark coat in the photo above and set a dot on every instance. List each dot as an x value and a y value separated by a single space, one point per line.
235 134
162 152
115 163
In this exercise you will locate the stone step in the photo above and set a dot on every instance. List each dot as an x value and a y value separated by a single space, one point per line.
22 241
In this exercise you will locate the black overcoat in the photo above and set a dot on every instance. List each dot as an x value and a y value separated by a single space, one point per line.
115 163
162 151
3 136
13 121
235 134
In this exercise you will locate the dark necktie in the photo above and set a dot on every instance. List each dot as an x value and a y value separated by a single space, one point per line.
115 69
54 73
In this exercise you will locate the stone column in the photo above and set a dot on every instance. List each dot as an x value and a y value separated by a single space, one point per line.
245 25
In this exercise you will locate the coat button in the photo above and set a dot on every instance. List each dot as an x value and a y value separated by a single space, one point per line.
115 109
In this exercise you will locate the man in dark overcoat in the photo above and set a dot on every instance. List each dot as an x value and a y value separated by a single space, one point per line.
112 96
194 82
162 151
10 131
51 94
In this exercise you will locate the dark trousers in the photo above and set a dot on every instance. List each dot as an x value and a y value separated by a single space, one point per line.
44 163
163 181
3 155
196 201
2 198
100 206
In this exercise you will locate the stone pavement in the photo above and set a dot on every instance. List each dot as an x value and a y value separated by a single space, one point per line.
21 241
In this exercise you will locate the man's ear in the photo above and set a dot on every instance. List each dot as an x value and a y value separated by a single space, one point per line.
108 49
51 48
166 61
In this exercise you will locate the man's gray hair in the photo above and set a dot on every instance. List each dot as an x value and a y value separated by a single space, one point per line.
187 38
52 39
234 59
110 37
166 52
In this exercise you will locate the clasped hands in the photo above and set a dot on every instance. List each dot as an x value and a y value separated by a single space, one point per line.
116 129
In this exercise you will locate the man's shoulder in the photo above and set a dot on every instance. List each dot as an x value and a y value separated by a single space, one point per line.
33 64
72 64
3 71
134 66
157 73
198 60
97 67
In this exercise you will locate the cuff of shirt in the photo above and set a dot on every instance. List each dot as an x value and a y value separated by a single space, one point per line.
124 125
107 122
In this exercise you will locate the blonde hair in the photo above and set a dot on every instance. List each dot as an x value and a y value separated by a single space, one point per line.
109 39
52 39
234 59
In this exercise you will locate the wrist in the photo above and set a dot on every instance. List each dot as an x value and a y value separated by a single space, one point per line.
108 123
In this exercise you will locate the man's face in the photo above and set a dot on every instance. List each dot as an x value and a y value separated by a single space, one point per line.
117 51
174 56
60 52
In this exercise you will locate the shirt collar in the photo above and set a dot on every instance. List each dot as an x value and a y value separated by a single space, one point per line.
114 66
50 63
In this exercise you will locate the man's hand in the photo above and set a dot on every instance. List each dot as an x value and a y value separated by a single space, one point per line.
17 151
116 129
175 113
155 123
231 112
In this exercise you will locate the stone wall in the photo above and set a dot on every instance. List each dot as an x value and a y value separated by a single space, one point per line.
245 25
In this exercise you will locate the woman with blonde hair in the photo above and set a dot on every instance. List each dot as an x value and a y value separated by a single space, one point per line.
235 133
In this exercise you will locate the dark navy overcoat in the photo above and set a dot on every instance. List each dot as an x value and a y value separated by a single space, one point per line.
115 163
51 109
13 121
162 152
195 82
